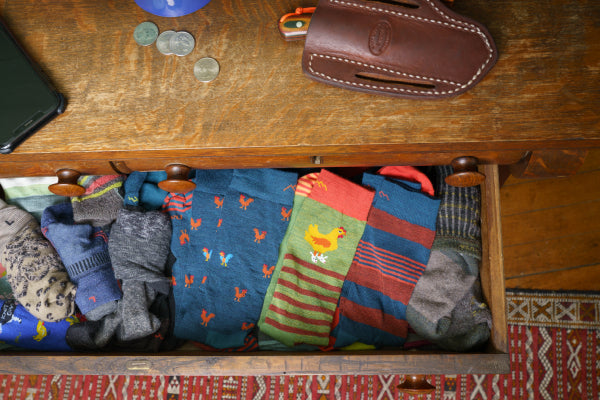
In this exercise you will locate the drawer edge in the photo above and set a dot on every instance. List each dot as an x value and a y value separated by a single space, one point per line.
263 363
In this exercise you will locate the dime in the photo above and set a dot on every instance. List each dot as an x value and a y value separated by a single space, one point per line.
145 33
206 69
163 42
182 43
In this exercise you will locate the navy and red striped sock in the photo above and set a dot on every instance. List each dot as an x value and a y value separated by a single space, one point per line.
390 258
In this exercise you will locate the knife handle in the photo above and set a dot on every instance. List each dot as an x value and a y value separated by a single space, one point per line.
294 26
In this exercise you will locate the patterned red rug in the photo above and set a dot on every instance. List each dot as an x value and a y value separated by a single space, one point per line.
554 344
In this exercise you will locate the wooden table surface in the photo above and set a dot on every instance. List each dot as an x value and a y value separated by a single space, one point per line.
129 102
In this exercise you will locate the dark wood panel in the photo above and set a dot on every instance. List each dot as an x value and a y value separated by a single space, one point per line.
546 224
552 230
566 252
525 196
582 278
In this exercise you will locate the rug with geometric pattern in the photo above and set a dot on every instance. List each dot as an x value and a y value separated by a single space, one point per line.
554 340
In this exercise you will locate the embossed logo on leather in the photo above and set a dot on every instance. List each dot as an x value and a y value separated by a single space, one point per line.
380 37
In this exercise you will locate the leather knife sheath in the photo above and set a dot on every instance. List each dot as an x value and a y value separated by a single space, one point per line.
405 48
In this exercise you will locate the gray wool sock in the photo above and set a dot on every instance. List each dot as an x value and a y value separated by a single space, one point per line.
38 278
139 245
443 284
436 310
469 324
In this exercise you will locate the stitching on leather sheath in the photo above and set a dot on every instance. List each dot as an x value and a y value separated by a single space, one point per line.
388 88
467 27
431 79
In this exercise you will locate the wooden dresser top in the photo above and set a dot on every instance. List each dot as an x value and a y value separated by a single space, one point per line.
127 100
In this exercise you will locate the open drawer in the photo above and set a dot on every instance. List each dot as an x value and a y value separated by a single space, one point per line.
189 360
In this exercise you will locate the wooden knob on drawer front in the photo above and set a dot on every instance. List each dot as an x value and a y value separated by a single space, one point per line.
177 179
67 183
415 385
465 173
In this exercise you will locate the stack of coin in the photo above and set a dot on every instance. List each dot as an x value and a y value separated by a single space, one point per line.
168 42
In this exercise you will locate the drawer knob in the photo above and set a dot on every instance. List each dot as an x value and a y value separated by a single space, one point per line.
465 172
67 183
416 385
177 179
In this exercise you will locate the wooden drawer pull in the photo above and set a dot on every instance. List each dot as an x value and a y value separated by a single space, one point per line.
465 172
67 183
416 385
177 179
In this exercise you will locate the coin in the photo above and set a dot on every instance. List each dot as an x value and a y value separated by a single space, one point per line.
206 69
182 43
145 33
163 42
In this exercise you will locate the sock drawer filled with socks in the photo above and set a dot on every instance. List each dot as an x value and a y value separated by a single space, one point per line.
252 261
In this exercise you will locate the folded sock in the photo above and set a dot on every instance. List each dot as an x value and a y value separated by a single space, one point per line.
391 256
442 305
21 329
83 250
102 199
196 220
314 259
229 288
31 194
89 335
469 325
141 190
34 270
139 249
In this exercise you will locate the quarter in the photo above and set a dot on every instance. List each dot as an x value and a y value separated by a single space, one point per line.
145 33
206 69
182 43
163 42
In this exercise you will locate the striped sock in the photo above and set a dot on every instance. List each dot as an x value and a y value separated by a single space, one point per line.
328 220
391 256
102 200
31 194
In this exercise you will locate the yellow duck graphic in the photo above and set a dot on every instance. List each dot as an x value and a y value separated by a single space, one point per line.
41 330
322 243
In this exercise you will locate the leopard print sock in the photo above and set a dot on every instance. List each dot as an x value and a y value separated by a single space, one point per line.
34 270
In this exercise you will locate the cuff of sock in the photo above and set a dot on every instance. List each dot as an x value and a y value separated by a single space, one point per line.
403 201
96 289
215 181
342 195
266 184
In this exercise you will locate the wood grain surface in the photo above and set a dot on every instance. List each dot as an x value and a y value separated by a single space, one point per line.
551 230
129 103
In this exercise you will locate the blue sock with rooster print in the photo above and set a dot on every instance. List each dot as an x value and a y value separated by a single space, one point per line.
329 219
195 220
229 285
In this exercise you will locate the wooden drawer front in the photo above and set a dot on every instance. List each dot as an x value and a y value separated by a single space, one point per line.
191 361
97 164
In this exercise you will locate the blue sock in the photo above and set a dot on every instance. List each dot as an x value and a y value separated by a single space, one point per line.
229 295
21 329
390 258
83 250
141 189
195 217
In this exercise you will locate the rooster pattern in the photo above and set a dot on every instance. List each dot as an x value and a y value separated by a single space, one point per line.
229 241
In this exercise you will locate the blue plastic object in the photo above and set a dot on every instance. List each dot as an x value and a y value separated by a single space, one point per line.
171 8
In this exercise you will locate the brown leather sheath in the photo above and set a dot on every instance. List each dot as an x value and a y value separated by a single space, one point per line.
420 49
